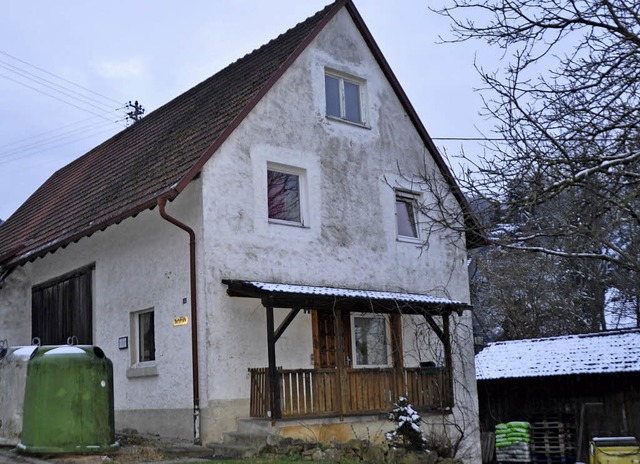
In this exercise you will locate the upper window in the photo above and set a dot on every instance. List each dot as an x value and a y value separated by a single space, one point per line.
344 98
370 339
284 195
406 214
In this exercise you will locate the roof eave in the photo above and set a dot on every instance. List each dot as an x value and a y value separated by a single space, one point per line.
19 259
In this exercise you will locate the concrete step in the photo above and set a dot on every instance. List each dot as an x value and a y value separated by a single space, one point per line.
232 451
251 425
254 439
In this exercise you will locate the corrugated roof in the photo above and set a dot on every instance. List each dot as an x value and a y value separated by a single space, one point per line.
285 295
350 293
598 353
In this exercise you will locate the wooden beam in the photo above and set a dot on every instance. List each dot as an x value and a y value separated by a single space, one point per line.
438 331
285 323
397 386
448 357
342 374
274 391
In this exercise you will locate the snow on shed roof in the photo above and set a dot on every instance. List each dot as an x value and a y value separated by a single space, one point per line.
597 353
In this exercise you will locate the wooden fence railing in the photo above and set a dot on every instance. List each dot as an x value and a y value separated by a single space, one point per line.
320 392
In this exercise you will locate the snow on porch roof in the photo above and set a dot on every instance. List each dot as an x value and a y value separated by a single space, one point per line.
259 289
597 353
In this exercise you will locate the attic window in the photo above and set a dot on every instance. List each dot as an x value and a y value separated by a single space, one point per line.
344 97
285 195
406 215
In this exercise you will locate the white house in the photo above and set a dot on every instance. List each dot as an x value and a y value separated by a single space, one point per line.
263 227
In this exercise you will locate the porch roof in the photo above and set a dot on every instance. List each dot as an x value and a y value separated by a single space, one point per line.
282 295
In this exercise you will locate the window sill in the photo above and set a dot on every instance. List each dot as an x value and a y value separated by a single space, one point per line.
142 371
414 240
346 121
288 223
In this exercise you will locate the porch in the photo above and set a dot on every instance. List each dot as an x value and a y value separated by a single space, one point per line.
352 374
328 392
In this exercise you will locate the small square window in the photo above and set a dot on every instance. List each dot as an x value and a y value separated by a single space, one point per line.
143 332
343 98
284 195
406 214
370 340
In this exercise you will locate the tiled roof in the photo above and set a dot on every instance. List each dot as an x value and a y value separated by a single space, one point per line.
160 154
598 353
126 174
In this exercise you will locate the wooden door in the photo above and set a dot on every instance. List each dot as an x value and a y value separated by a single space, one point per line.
324 339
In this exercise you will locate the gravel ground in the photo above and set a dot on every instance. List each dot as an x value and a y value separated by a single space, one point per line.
134 448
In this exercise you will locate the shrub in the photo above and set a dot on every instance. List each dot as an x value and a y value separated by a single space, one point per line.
408 434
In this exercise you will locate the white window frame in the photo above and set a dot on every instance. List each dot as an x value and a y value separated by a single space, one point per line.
387 327
136 339
362 95
407 196
302 193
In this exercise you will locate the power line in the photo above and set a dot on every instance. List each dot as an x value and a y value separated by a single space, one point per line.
56 98
14 150
61 78
56 87
58 145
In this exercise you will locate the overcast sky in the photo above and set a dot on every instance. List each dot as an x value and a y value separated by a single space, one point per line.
110 52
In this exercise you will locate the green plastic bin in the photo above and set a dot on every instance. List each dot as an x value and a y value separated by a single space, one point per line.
68 401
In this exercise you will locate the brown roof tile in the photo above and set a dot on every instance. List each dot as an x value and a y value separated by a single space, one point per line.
158 155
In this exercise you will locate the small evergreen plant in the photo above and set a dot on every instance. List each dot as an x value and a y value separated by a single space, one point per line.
408 434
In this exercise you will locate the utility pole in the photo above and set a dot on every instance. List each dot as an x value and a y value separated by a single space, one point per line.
136 111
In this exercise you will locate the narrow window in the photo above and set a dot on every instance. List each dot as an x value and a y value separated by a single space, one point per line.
284 195
370 339
344 98
406 214
146 336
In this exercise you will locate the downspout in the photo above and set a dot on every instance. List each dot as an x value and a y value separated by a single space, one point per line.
162 201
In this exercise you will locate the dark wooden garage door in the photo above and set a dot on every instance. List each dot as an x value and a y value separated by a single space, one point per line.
62 307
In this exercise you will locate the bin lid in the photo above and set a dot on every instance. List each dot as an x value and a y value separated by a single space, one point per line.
64 350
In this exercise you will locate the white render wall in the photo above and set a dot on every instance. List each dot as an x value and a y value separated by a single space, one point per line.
349 237
141 263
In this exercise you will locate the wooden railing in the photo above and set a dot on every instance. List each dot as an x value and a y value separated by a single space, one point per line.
322 392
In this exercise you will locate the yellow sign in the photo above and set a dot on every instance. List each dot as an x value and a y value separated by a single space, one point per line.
183 320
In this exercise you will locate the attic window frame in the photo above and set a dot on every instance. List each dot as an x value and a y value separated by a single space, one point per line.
409 198
341 79
302 195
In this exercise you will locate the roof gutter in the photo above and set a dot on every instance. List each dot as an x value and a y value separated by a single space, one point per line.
162 201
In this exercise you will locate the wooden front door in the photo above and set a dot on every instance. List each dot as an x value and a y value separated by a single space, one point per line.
324 339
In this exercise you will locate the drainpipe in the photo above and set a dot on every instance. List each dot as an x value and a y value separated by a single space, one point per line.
162 201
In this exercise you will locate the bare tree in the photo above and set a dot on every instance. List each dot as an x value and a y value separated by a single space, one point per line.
561 176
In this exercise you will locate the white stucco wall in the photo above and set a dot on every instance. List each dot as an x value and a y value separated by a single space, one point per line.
140 264
349 237
349 240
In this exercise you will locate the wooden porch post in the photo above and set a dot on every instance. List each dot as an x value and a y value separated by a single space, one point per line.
448 358
396 356
274 391
343 391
